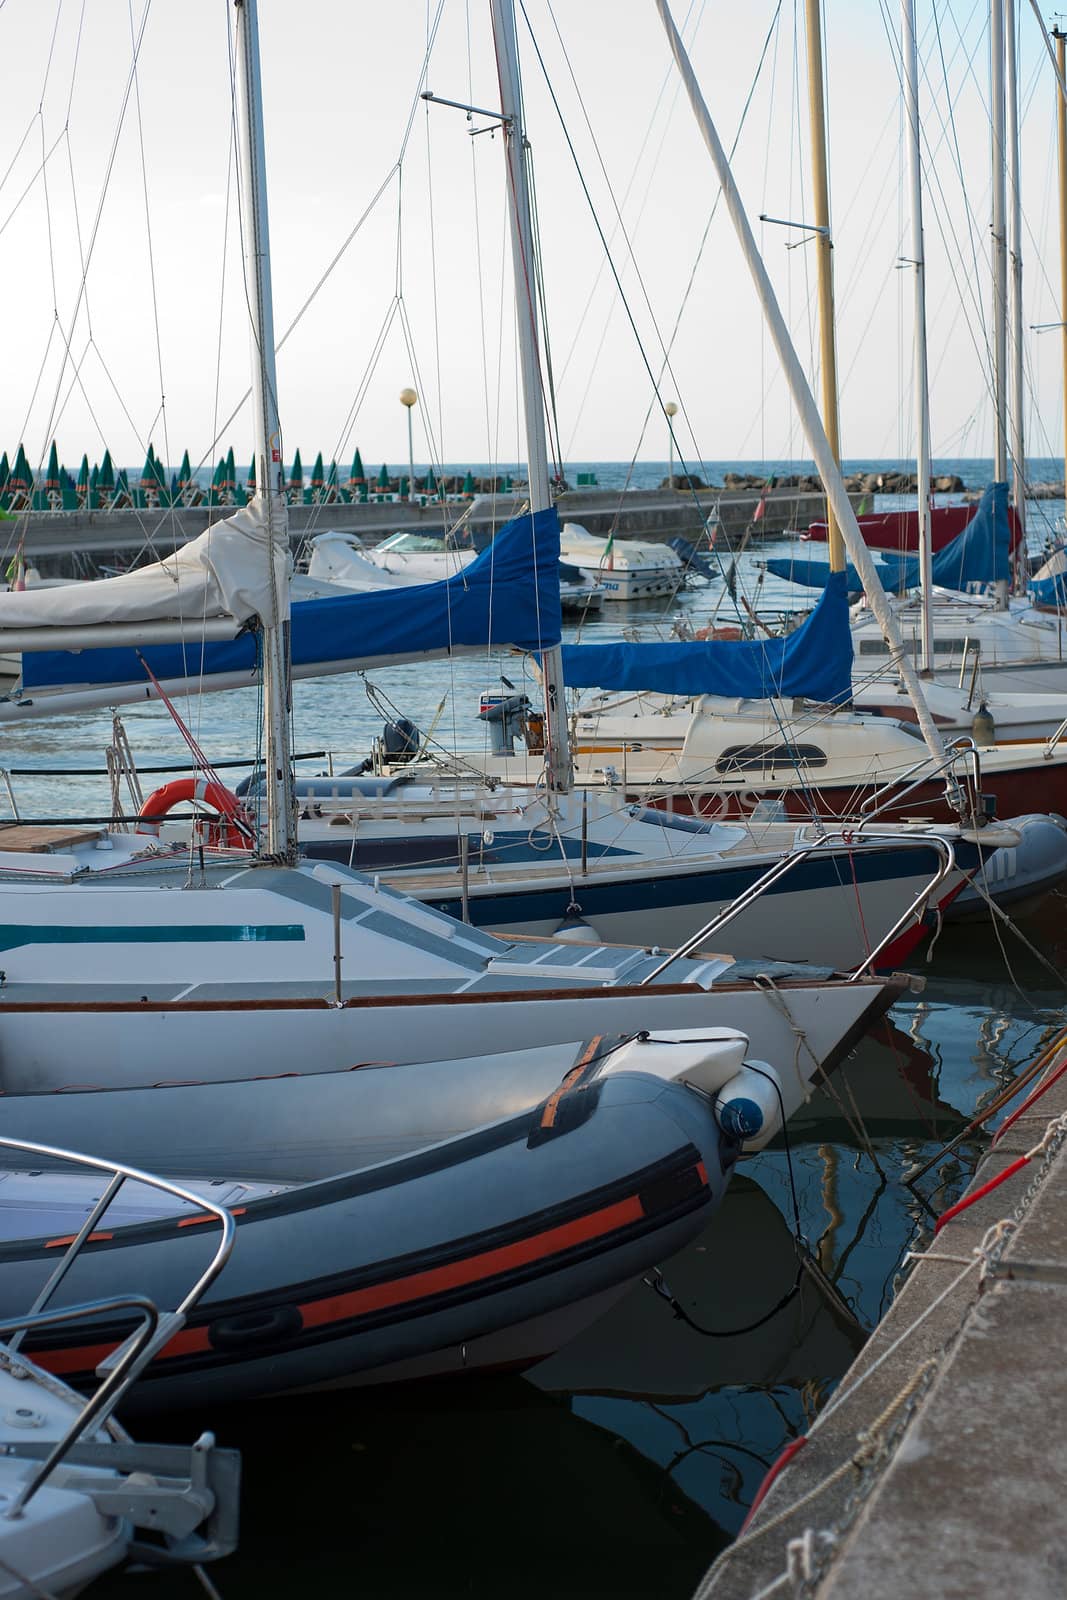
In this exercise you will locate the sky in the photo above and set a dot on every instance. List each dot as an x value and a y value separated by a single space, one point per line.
124 319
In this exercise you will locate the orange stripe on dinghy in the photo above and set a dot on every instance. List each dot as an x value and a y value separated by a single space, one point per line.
396 1292
402 1291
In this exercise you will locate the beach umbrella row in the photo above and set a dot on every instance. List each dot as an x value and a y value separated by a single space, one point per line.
101 487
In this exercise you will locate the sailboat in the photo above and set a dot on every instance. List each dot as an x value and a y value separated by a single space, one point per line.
297 964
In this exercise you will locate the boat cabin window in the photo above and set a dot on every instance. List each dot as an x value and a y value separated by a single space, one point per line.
759 757
414 544
942 646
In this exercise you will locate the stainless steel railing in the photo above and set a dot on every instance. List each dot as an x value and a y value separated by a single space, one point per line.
125 1364
781 868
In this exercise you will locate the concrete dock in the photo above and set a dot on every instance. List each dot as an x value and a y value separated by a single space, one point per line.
82 543
939 1468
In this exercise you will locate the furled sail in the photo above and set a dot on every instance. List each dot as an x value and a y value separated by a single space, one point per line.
509 595
975 558
222 572
814 661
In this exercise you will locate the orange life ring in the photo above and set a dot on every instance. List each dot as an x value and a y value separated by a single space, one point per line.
718 633
232 829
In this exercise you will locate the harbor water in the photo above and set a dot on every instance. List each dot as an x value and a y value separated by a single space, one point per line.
623 1464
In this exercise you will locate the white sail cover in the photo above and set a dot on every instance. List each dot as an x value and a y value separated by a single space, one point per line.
223 572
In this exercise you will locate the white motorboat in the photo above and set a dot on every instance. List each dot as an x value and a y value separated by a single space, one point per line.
626 569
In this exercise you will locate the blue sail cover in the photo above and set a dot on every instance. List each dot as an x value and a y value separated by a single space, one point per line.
971 561
811 574
508 595
974 559
815 660
1048 587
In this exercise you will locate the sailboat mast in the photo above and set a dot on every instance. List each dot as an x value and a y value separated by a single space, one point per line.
824 251
280 841
922 377
999 242
801 393
1061 140
1015 250
559 772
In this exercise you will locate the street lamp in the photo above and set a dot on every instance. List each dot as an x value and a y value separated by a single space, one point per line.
408 399
670 411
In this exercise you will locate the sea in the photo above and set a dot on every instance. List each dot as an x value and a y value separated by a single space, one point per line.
625 1463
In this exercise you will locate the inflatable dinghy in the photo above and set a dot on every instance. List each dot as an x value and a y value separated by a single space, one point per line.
492 1248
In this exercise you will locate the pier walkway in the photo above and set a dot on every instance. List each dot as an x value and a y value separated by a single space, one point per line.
939 1468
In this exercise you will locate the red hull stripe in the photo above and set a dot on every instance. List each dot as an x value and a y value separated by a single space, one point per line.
397 1292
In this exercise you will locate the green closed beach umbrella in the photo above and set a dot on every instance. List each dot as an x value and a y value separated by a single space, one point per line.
431 481
468 484
357 477
217 491
121 495
318 475
83 481
231 469
383 478
20 477
5 471
106 480
250 481
296 477
333 488
185 474
51 477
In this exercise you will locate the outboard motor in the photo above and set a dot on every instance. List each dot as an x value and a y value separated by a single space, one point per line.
506 715
401 741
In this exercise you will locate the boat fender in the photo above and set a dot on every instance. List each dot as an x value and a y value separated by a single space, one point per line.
233 827
270 1325
748 1107
574 929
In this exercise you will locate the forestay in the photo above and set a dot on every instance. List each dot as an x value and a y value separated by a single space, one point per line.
814 661
508 596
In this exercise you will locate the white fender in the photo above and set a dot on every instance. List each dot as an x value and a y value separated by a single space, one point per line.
748 1106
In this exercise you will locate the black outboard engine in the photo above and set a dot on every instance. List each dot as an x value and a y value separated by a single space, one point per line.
401 741
506 715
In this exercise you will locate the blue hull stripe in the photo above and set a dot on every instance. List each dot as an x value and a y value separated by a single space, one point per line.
15 934
688 889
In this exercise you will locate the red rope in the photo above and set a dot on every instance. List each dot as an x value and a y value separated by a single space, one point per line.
792 1448
979 1193
859 904
1031 1098
198 755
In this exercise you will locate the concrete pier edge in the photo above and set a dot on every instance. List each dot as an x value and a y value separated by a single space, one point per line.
939 1466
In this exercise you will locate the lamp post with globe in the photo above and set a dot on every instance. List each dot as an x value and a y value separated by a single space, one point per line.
670 411
409 399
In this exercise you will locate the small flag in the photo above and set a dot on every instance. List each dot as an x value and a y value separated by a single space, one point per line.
865 506
609 551
16 572
758 514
